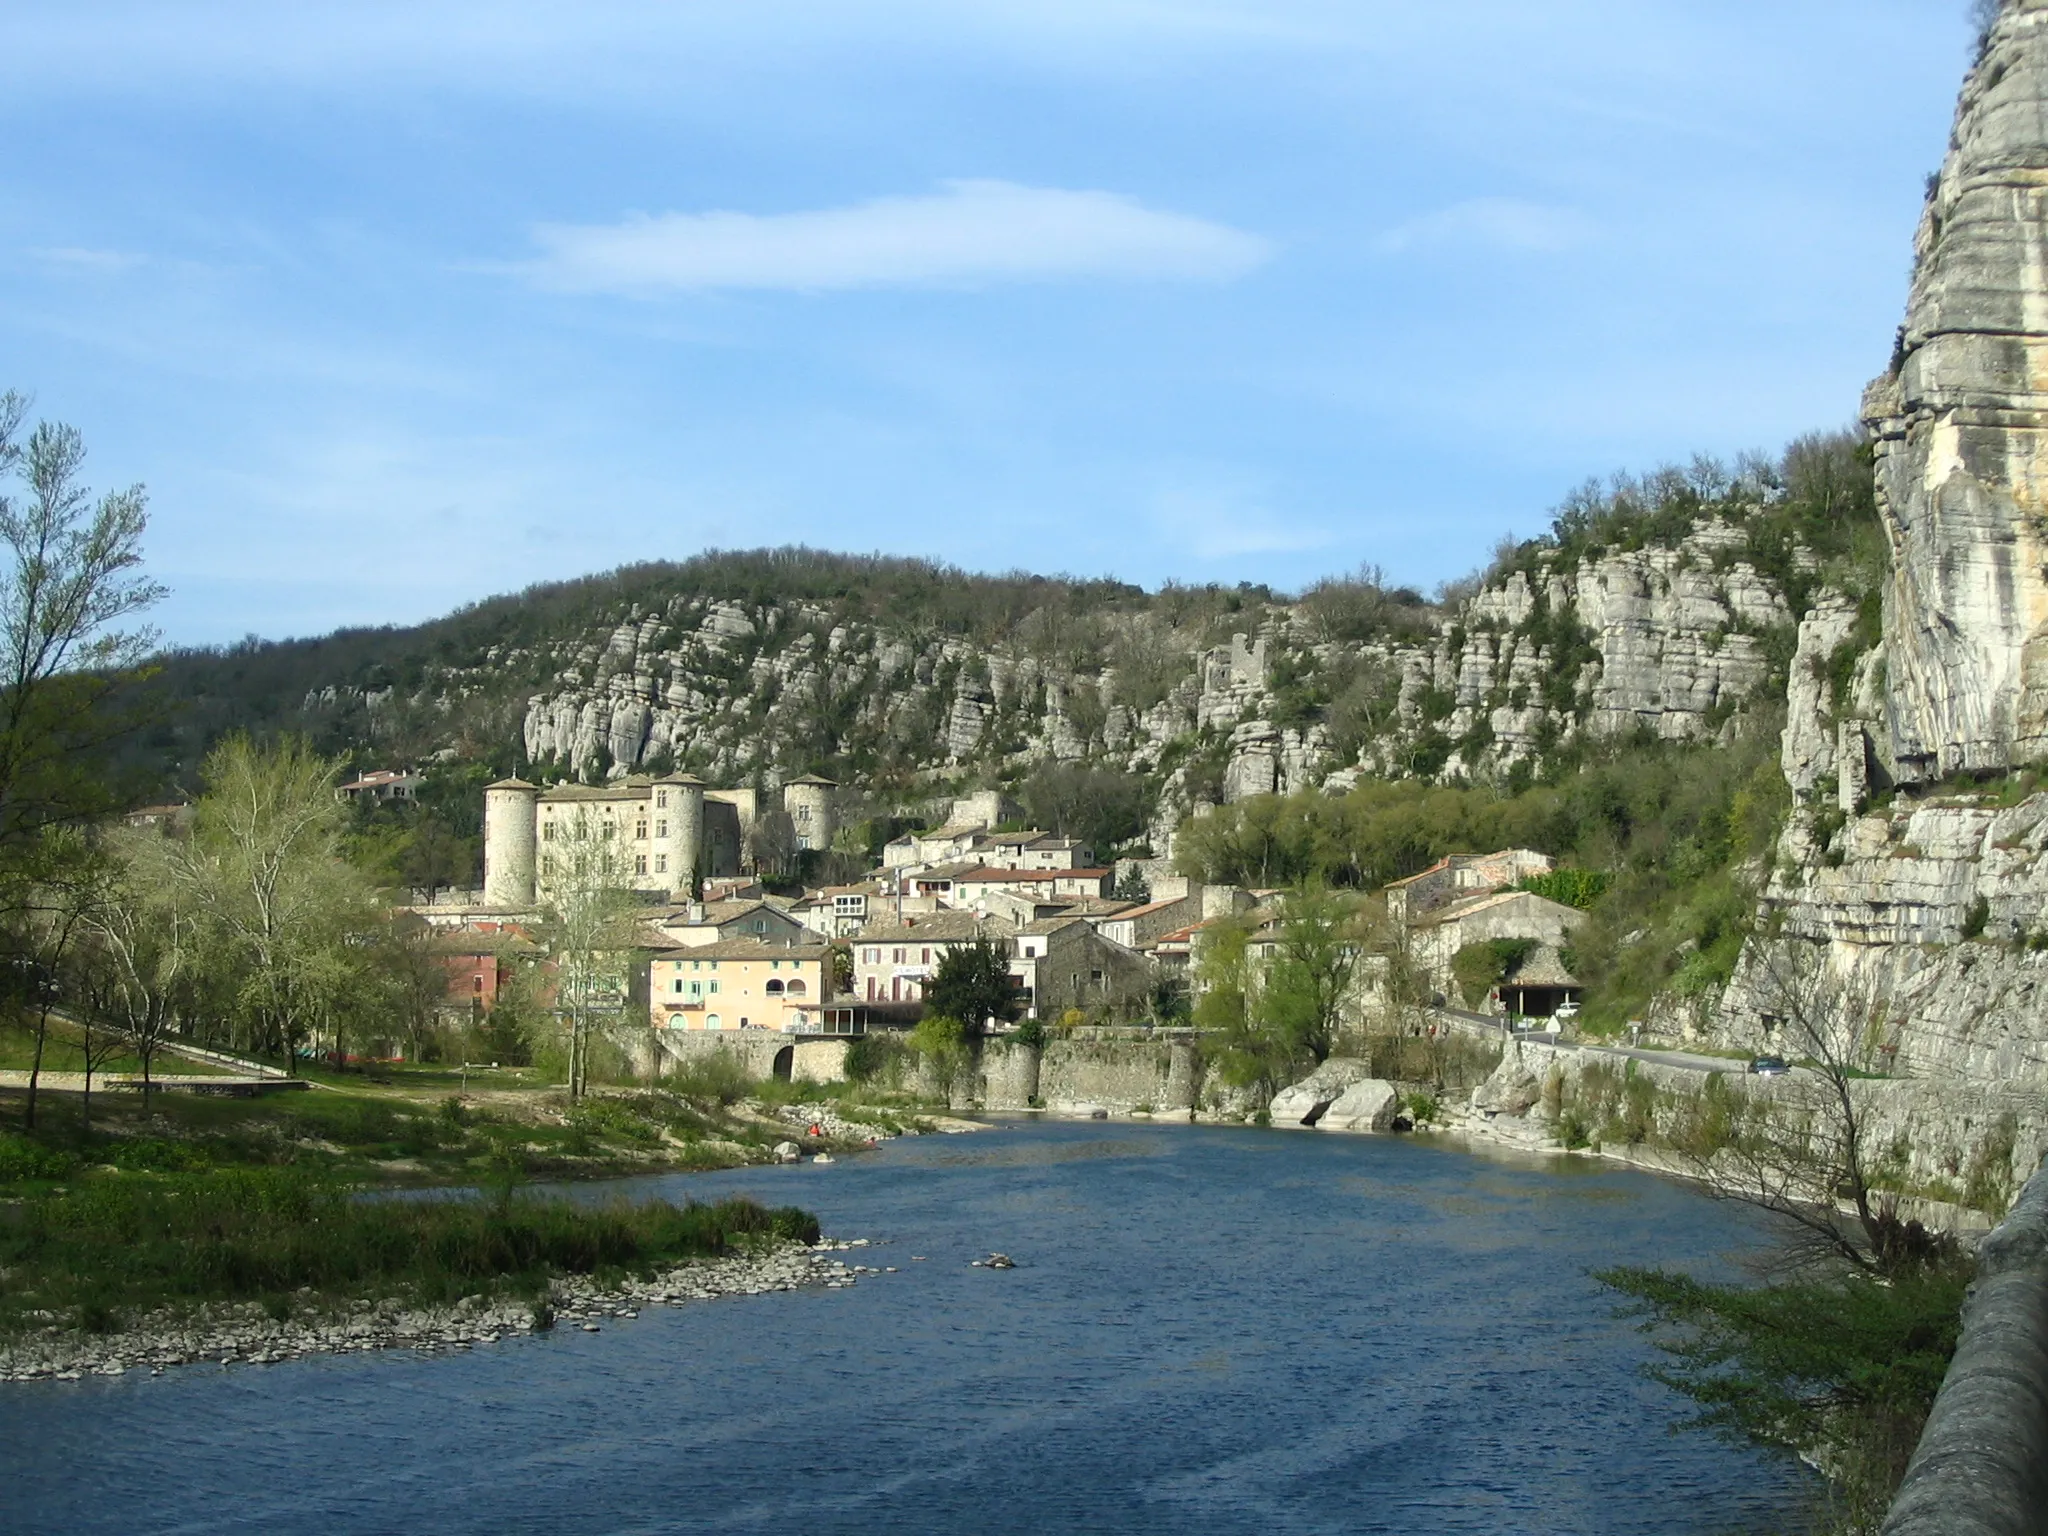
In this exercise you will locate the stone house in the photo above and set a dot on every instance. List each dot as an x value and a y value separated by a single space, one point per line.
1063 962
1137 927
713 922
381 784
1435 939
893 960
1460 876
738 984
839 911
970 886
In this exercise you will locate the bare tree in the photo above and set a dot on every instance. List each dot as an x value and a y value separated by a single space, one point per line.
1801 1146
142 942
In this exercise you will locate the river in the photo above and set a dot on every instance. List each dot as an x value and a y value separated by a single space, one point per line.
1208 1331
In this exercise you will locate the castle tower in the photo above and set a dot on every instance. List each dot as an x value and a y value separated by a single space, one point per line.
678 812
809 802
509 838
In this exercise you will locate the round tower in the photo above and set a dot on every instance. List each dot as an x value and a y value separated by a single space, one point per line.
678 831
509 838
808 800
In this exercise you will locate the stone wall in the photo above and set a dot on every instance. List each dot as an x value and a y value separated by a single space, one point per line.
1947 1133
1981 1468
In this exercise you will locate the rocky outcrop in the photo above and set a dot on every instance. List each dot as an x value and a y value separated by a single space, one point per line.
1306 1102
1371 1105
1934 910
1961 426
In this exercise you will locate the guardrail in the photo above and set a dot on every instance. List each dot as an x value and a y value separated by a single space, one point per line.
1981 1468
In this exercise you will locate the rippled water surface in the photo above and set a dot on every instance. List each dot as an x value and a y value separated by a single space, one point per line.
1208 1331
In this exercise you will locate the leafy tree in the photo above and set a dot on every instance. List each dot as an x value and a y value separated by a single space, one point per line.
1581 888
1479 968
973 984
281 920
1131 886
1309 980
72 581
1842 1370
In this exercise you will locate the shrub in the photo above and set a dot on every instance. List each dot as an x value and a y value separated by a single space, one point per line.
718 1076
1976 917
24 1159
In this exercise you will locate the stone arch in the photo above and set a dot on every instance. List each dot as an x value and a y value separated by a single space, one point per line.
785 1063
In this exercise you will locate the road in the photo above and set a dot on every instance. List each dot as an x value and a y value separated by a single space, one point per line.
1687 1060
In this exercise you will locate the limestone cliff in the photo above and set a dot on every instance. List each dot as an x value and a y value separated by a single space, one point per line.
1962 438
1934 900
1668 636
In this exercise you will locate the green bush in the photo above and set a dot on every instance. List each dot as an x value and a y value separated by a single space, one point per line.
719 1077
21 1159
1581 888
1481 967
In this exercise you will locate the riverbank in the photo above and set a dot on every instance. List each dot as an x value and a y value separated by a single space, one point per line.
251 1334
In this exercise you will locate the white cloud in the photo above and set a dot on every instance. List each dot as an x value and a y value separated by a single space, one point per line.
968 234
1501 223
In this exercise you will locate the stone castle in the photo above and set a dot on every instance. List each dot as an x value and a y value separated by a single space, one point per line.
669 832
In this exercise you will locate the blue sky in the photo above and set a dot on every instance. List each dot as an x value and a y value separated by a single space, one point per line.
397 305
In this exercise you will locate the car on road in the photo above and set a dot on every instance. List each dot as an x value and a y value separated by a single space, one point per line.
1769 1066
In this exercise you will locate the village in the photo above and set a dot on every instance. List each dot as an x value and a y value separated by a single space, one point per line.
719 957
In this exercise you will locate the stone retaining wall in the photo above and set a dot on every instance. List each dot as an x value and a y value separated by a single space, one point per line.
1981 1468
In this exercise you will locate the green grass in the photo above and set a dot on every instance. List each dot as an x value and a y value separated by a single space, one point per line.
62 1052
96 1253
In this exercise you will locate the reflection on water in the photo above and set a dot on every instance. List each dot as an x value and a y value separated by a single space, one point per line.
1209 1331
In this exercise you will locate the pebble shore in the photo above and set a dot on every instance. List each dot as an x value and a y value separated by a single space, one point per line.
245 1334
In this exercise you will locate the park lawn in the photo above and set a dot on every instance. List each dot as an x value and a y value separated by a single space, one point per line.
64 1052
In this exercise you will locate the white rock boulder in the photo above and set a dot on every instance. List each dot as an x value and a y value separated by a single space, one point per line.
1367 1106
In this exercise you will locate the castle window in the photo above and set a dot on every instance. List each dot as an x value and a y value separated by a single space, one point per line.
661 863
547 865
547 832
661 829
661 799
640 865
640 831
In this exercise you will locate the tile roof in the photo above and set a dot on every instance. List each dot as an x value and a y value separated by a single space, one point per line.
748 949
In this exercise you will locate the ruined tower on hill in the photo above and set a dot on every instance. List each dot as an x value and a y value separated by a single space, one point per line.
1961 430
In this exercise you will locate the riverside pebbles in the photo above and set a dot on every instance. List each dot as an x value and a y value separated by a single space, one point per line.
245 1334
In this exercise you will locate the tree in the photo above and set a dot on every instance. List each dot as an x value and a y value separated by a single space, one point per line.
141 939
434 858
283 920
1309 982
1100 807
72 582
973 984
586 907
1131 886
51 911
1841 1361
771 848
